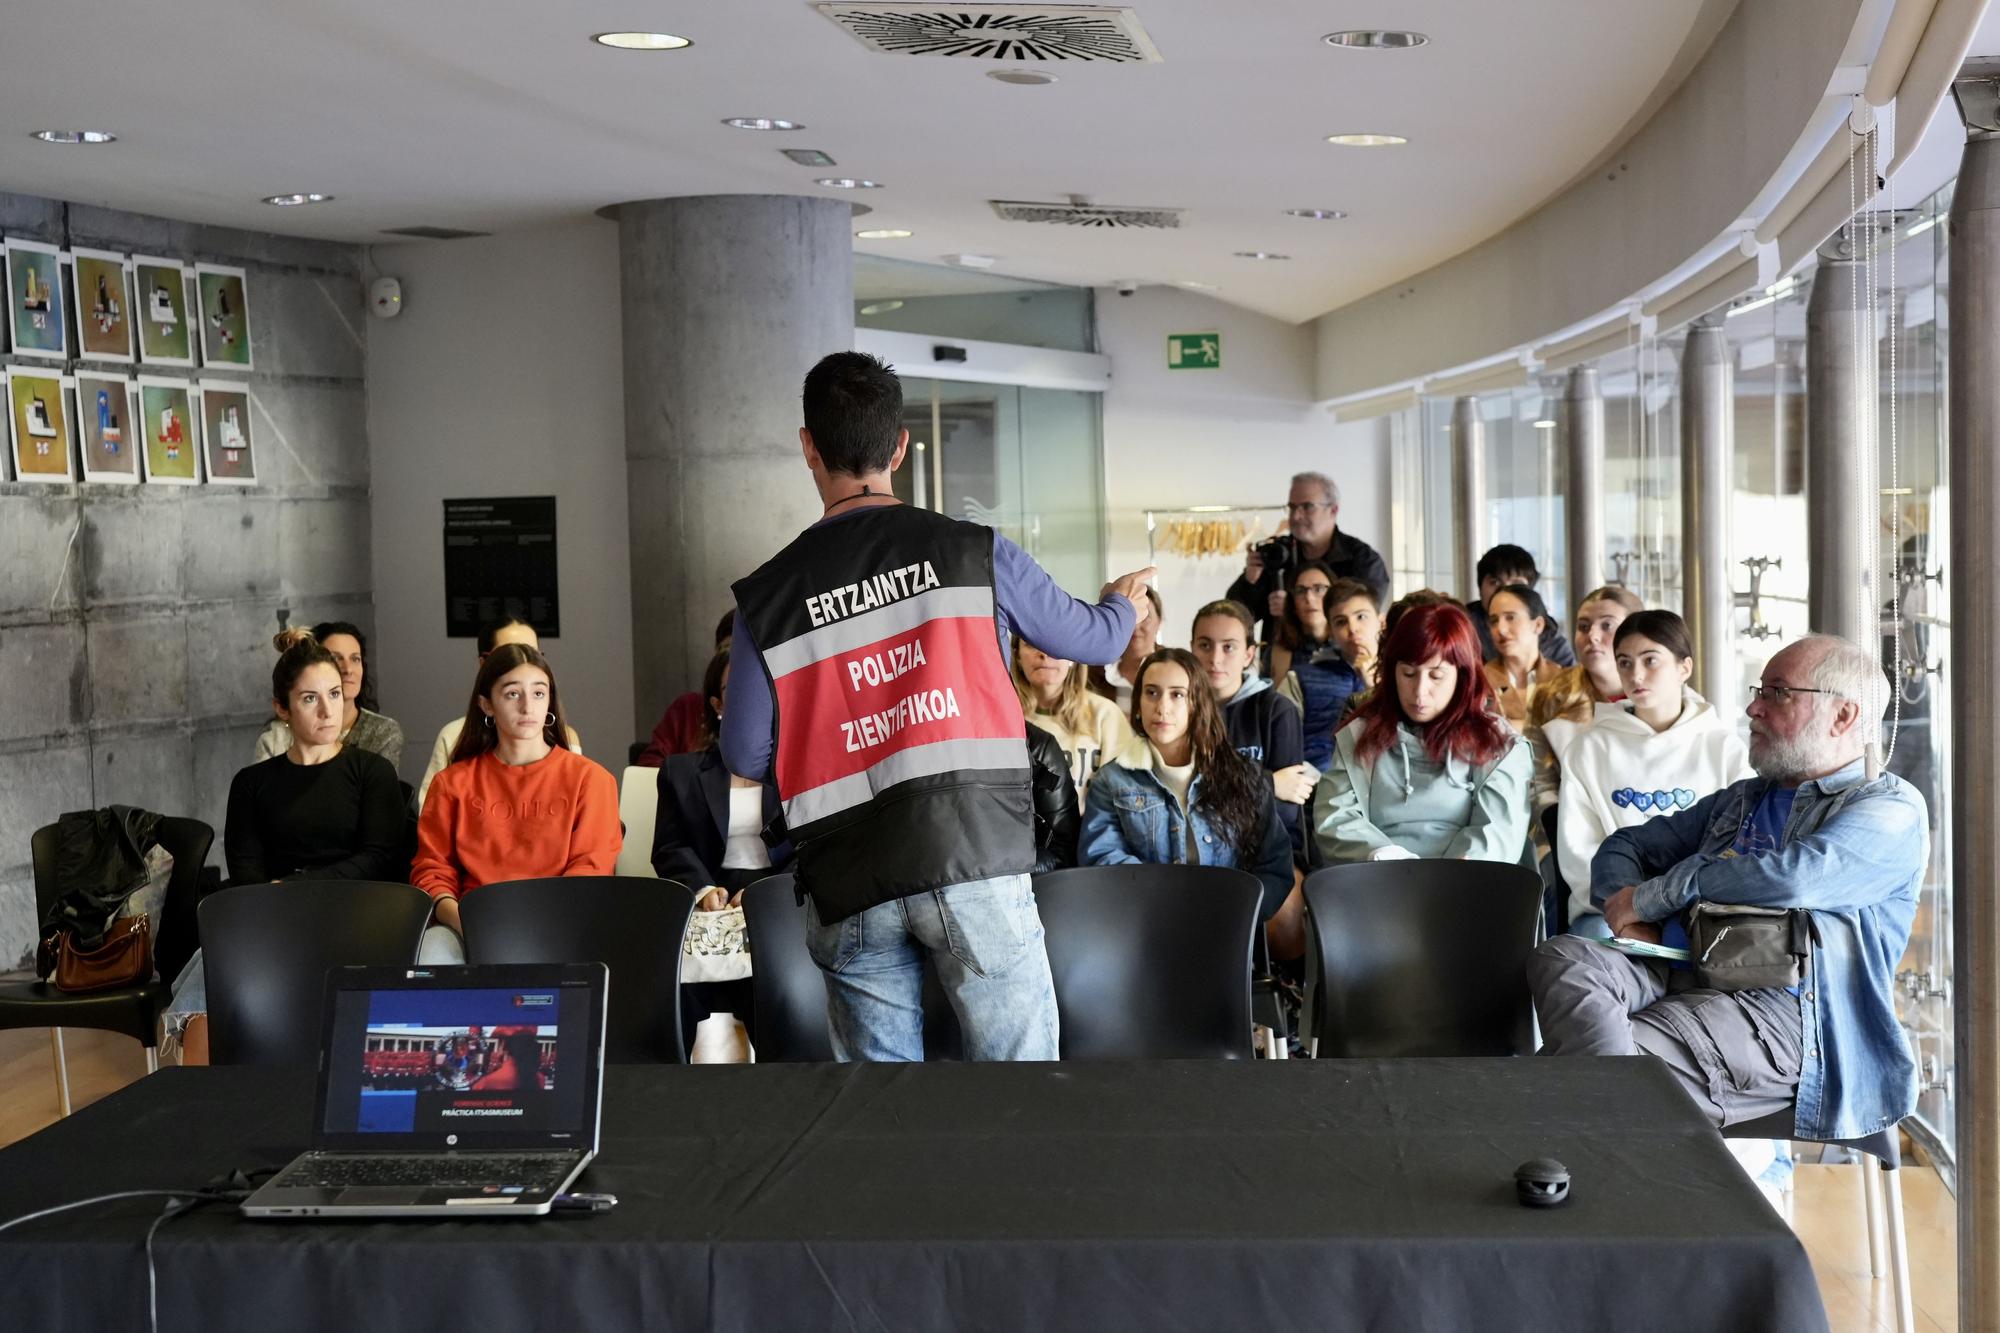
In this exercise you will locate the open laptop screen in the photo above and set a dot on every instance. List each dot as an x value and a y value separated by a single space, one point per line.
429 1059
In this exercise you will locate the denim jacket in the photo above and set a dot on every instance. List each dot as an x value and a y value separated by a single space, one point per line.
1130 818
1853 854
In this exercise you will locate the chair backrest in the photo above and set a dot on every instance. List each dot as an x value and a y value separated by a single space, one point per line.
633 926
1151 962
1423 957
266 950
638 808
788 995
175 935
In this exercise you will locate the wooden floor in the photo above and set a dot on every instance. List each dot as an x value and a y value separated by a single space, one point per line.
1827 1208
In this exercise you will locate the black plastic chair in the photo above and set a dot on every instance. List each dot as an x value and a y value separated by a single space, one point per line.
1555 900
633 926
1422 958
1878 1187
266 950
131 1010
1151 962
788 1021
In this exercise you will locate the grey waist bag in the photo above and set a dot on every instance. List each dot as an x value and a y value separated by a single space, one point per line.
1749 948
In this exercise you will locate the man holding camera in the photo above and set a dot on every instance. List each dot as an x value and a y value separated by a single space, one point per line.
1313 506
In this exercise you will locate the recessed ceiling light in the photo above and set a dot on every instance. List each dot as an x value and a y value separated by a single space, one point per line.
847 183
1545 424
1316 214
641 41
1259 254
294 200
1366 140
1020 78
761 123
75 136
1194 286
1376 39
884 234
882 308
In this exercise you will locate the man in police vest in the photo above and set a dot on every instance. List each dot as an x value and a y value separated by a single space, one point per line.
869 675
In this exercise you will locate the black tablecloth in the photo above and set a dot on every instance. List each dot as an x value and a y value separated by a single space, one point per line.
1219 1195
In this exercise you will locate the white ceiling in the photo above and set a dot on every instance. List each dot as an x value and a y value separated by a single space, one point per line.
501 114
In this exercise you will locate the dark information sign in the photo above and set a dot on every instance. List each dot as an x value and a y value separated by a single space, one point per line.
500 560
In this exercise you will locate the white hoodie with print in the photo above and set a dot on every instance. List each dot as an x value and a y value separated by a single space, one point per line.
1619 772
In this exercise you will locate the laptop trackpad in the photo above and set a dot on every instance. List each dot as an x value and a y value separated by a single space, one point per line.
378 1196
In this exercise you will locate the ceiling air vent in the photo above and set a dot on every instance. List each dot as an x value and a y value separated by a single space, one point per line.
434 233
1088 215
1082 33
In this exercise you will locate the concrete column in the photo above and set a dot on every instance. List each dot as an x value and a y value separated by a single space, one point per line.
1973 572
1468 490
1582 425
1840 565
1708 604
727 302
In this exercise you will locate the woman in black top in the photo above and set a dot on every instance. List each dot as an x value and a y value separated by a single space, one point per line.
322 809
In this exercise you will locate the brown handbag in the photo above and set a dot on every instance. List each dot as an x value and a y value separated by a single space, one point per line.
124 959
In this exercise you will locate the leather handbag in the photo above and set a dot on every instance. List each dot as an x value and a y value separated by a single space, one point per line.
124 959
716 947
1749 948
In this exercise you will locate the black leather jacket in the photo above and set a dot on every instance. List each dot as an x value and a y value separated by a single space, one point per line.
1056 817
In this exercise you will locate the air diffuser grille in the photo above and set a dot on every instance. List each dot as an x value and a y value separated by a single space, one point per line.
1079 33
434 233
1088 215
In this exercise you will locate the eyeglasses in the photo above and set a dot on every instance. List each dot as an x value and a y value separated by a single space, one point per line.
1311 589
1780 694
1309 507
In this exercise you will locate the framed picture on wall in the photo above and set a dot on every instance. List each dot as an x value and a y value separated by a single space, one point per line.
225 317
160 309
35 300
104 430
38 413
168 431
101 305
225 433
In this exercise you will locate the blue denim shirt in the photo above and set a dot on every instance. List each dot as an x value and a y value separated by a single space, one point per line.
1853 854
1130 818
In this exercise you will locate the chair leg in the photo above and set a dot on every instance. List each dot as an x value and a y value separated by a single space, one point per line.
62 1070
1277 1047
152 1060
1871 1201
1899 1248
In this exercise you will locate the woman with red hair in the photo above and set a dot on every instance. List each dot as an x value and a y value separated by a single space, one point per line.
1428 768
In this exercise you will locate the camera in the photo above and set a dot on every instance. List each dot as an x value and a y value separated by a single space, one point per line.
1127 288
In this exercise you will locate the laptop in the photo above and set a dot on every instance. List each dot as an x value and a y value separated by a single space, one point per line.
449 1092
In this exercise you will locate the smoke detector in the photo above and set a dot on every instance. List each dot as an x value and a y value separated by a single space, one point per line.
1076 33
1077 213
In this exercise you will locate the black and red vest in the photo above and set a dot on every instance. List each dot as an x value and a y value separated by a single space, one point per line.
902 759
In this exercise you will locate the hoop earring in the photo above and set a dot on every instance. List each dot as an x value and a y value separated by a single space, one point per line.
487 719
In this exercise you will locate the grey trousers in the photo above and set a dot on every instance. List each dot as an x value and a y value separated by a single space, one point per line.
1736 1053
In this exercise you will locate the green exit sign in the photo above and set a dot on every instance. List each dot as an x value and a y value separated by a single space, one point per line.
1194 351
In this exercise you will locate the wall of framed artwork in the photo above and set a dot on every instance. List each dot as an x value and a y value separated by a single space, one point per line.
104 428
225 316
35 301
160 309
38 418
227 455
170 432
101 305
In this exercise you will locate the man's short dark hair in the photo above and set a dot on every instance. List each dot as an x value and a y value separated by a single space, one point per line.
854 409
1507 559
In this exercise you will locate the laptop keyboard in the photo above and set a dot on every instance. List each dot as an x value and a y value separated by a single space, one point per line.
527 1172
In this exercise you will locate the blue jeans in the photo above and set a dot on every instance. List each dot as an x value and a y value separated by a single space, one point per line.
985 939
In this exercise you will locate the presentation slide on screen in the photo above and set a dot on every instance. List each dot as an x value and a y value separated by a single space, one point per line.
453 1062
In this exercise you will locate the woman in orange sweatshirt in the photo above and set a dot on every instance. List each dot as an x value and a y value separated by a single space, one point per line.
511 804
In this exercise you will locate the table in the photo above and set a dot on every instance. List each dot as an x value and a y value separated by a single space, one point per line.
1170 1195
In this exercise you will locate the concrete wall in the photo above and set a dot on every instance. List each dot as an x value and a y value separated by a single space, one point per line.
502 377
1232 436
135 621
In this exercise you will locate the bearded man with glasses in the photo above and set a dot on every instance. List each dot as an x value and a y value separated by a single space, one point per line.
1812 830
1313 510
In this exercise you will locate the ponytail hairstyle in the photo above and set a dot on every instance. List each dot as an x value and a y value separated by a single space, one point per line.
1232 788
1468 727
477 736
297 650
325 630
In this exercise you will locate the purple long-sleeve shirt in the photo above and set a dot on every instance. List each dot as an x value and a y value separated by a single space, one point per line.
1026 601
